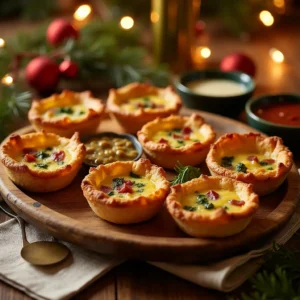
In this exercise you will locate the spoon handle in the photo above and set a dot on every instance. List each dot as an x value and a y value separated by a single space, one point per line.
21 223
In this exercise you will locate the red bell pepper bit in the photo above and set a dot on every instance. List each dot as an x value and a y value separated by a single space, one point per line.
58 155
212 195
187 130
105 189
252 158
29 158
29 151
124 188
163 141
269 161
128 182
237 202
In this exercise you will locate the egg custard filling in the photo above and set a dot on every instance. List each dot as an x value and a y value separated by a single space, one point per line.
72 112
145 102
249 162
178 137
206 201
128 187
50 158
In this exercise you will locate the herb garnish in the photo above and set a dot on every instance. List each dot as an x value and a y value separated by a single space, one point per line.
270 169
117 182
139 184
209 206
177 130
65 110
42 155
41 165
81 113
263 163
189 208
240 167
225 207
49 149
60 163
180 142
139 190
227 161
133 175
201 199
185 173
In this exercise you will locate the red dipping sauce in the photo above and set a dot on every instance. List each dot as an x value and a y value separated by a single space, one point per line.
281 113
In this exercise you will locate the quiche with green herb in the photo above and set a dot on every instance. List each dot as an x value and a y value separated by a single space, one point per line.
42 162
126 192
212 206
136 104
66 113
251 158
174 139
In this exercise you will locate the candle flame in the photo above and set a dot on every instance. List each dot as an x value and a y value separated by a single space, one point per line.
204 52
7 80
276 55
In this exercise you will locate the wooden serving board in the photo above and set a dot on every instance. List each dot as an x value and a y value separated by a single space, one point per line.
66 215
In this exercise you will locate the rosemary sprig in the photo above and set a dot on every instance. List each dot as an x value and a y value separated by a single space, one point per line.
185 173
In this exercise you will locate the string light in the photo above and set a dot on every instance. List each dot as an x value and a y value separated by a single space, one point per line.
276 55
204 52
2 43
154 17
266 18
127 22
7 80
279 3
82 12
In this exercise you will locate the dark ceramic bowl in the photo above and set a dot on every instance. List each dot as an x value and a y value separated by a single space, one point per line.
229 106
289 134
127 136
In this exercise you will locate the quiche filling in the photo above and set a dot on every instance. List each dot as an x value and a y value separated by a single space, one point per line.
72 112
178 137
248 163
210 200
129 186
146 103
50 158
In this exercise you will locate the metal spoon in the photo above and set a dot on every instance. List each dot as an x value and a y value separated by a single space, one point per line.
39 253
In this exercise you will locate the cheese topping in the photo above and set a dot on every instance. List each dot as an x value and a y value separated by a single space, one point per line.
206 201
47 159
178 137
146 103
128 187
250 162
72 112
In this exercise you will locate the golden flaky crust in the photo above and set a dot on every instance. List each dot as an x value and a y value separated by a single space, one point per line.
131 122
263 183
86 124
125 211
41 180
166 156
218 223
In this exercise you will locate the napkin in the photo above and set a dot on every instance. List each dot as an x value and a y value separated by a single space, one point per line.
84 267
60 281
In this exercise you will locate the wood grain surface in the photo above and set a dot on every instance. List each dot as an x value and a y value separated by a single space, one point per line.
66 215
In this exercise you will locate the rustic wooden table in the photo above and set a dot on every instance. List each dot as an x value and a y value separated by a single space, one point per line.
138 280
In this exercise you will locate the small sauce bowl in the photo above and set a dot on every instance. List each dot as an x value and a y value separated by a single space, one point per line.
111 135
288 133
230 105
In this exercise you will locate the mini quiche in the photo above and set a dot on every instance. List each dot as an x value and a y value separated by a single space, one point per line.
212 206
67 113
126 192
176 139
251 158
139 103
42 162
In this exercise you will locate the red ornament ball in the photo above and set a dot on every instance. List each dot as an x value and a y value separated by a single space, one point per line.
42 73
60 30
199 27
238 62
68 69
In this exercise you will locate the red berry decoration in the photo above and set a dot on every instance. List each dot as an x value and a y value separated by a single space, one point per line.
238 62
42 73
199 27
68 68
60 30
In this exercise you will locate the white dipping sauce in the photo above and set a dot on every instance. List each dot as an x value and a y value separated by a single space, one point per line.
216 87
